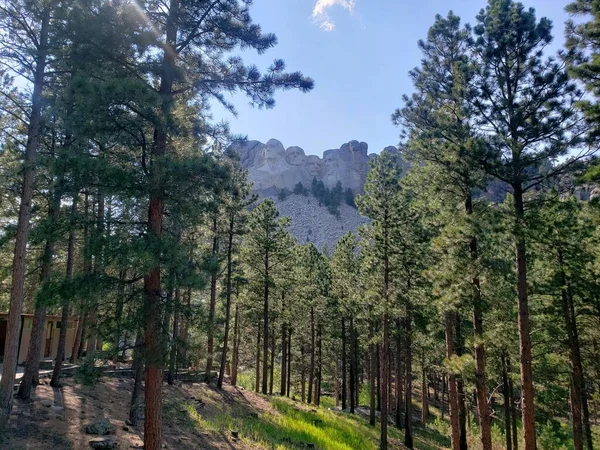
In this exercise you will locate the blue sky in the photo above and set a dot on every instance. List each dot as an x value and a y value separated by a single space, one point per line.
359 53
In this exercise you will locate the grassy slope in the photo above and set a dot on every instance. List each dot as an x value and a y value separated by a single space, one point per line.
286 424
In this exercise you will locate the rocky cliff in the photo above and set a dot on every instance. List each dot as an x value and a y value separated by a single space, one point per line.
272 165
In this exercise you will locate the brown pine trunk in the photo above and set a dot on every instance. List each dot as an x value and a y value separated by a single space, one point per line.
236 346
38 331
64 318
210 344
424 399
272 364
372 371
302 373
507 408
228 293
266 324
385 367
352 369
283 350
485 421
138 368
175 344
94 342
344 366
462 408
452 385
289 363
577 383
408 410
527 391
515 436
378 376
311 370
17 291
443 406
257 368
399 376
319 364
154 348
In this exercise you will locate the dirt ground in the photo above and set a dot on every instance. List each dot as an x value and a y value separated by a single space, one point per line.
55 418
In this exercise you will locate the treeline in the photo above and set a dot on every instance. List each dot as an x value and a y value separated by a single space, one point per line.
332 198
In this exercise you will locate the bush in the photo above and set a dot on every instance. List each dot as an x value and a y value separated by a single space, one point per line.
554 437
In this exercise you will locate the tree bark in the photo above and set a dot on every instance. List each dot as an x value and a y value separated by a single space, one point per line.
372 371
311 371
283 348
452 386
385 367
272 364
153 340
17 289
408 410
485 422
210 344
344 366
138 368
257 383
515 436
228 293
266 324
527 390
424 399
352 369
236 350
462 408
289 363
64 318
319 364
399 376
507 408
175 344
38 330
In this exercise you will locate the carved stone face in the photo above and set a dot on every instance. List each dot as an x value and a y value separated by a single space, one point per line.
273 153
331 163
315 166
294 156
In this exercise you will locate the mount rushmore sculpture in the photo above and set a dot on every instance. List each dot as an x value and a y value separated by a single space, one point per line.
271 165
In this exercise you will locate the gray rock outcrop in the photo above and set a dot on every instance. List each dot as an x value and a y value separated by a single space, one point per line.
272 165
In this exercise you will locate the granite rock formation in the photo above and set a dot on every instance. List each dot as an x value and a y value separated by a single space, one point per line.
272 165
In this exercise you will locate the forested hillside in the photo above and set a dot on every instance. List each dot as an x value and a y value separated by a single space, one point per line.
132 245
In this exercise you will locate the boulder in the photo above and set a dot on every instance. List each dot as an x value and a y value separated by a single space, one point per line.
101 427
103 444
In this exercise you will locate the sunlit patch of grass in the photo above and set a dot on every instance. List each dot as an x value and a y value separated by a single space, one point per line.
291 426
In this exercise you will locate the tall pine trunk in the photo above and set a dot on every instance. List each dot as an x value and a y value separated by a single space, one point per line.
153 339
228 293
450 319
257 368
175 340
236 346
408 410
352 368
399 376
507 408
266 324
289 363
372 372
17 288
38 330
485 421
527 391
385 368
311 370
138 369
344 367
210 344
64 318
283 348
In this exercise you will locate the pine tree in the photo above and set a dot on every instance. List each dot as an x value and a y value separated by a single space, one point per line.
525 106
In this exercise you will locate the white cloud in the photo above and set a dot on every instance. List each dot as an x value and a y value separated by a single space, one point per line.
320 16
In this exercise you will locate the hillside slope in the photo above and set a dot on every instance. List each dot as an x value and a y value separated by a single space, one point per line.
195 416
314 223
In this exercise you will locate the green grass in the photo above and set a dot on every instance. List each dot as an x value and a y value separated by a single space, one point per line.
291 426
